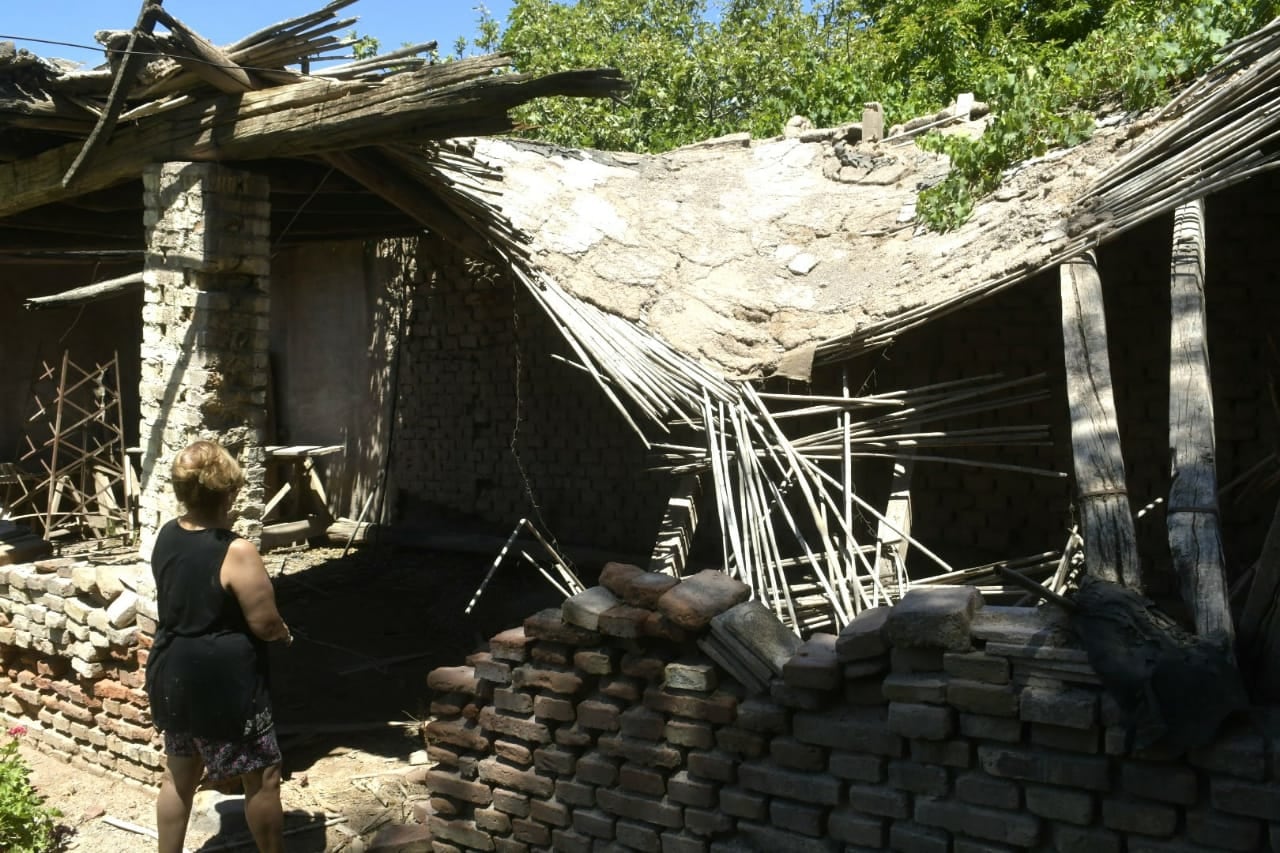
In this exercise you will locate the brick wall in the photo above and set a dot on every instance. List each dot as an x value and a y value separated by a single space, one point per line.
461 407
73 642
204 330
942 725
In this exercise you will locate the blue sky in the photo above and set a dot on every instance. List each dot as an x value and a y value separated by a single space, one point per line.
392 22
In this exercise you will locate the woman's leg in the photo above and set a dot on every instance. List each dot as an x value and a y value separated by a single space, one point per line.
173 804
262 808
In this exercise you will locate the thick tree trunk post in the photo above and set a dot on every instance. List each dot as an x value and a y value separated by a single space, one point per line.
1192 516
1106 521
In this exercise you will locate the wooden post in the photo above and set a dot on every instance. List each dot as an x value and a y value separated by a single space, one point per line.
1106 522
1192 516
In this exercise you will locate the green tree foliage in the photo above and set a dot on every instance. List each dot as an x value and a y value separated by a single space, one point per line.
701 70
26 824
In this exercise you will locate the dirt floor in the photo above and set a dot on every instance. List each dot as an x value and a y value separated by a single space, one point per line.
350 696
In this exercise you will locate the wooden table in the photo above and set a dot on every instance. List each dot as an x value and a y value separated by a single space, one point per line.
300 504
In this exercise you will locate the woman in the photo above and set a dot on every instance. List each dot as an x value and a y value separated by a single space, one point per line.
207 673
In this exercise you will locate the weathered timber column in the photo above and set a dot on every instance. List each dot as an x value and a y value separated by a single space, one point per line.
1192 517
1106 521
204 329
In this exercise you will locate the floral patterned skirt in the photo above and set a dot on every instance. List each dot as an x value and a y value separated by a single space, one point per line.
226 759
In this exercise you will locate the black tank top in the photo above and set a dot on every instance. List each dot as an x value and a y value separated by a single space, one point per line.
207 673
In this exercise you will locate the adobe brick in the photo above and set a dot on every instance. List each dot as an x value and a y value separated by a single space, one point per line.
864 637
930 688
856 766
643 723
718 766
792 754
690 733
594 822
1131 815
623 687
575 793
507 845
573 737
555 759
596 769
596 661
707 821
983 727
555 654
852 729
758 714
492 821
800 698
1061 804
907 837
1162 781
646 667
442 679
742 803
515 726
511 802
1252 799
793 816
1020 830
1225 832
948 753
741 742
699 676
866 669
642 752
529 781
770 779
754 836
550 625
976 666
493 671
449 785
1072 740
853 827
515 753
569 841
880 801
998 700
553 708
599 715
551 812
972 845
1078 839
719 707
682 842
638 836
1073 708
659 812
691 791
557 681
511 645
983 790
924 722
1051 768
919 778
642 780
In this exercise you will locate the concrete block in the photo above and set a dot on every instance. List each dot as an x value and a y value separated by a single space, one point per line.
852 827
1225 832
802 818
1020 830
1073 708
691 675
925 722
753 626
926 687
983 790
624 621
976 666
908 837
1061 804
934 618
768 778
1130 815
123 610
616 576
919 778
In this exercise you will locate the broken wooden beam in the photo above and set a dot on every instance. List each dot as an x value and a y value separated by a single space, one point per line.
1195 542
86 294
1106 522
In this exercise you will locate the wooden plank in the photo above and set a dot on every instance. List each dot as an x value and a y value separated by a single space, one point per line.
679 522
1110 549
310 117
892 538
88 293
1195 543
289 532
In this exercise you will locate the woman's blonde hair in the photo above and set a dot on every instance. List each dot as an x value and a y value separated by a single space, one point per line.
203 475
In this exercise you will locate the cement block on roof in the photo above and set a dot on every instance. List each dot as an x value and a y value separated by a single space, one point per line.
584 609
934 618
755 627
698 599
864 637
814 666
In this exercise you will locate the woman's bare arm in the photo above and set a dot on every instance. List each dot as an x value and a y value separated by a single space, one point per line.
244 574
